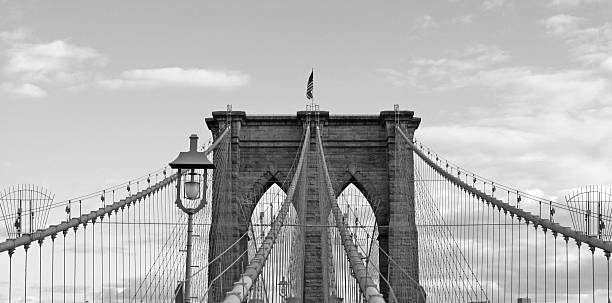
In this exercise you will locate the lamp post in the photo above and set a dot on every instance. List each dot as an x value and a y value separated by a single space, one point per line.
283 284
193 162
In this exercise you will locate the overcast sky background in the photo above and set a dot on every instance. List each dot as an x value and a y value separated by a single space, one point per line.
92 94
95 93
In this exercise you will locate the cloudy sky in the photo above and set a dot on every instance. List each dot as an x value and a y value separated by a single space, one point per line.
92 94
95 93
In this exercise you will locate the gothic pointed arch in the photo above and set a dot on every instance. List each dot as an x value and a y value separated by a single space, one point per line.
251 197
373 194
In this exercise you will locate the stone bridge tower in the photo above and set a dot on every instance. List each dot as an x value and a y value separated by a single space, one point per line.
360 149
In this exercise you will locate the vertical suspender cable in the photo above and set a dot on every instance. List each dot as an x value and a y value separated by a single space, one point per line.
93 260
25 278
545 265
129 233
527 258
566 238
511 255
116 253
490 251
474 252
472 236
84 253
74 257
492 209
85 262
64 264
498 249
140 246
40 242
11 275
607 253
122 258
535 269
102 258
110 262
482 256
505 255
102 250
555 240
579 273
151 249
519 257
592 248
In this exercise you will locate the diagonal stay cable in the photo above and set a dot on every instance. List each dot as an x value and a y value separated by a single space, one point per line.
220 255
222 273
452 241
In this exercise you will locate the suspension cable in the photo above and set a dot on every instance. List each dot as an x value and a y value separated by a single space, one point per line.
581 237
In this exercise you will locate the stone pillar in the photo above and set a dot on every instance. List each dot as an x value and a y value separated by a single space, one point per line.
383 261
358 148
227 219
401 234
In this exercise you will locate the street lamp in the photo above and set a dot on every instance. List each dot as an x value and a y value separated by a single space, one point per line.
194 186
283 284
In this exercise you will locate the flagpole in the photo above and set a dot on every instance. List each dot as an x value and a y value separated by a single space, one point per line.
310 95
314 107
312 99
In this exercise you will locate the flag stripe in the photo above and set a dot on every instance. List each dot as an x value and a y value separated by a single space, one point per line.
310 86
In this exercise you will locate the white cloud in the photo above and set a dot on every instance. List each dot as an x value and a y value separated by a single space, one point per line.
532 147
425 22
399 78
27 90
177 76
607 64
14 35
465 19
57 60
570 3
533 129
562 25
457 65
481 55
532 124
493 4
29 65
590 45
565 90
73 67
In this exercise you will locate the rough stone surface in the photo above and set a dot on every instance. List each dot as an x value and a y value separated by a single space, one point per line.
359 149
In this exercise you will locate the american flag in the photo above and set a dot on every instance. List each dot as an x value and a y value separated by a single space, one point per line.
310 86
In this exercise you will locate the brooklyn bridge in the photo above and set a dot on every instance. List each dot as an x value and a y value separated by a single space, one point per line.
311 207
